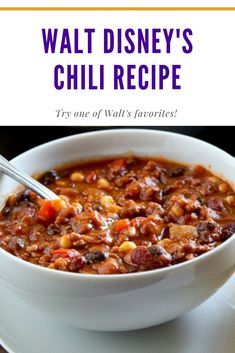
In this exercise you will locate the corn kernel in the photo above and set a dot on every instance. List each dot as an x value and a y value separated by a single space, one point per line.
127 246
230 200
106 201
214 179
223 187
177 211
114 208
164 243
77 177
65 242
103 183
61 183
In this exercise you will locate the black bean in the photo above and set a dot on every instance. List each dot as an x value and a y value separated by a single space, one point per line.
205 227
177 172
210 225
48 177
95 256
24 196
160 257
156 250
53 230
201 200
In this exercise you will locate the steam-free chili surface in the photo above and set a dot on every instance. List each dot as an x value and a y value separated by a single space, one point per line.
119 216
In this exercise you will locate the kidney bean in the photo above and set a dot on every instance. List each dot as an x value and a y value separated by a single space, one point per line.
216 203
141 256
227 231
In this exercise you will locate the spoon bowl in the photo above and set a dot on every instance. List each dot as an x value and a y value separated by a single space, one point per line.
9 169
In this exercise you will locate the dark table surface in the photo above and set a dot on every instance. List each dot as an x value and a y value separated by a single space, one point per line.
15 140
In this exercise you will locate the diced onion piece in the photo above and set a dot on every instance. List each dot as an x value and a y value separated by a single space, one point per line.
194 216
183 231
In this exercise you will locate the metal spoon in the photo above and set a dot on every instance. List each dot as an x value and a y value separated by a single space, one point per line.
9 169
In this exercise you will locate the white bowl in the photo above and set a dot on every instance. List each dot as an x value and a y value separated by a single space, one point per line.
125 301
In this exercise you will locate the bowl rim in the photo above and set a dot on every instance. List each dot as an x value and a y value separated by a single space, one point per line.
84 135
120 276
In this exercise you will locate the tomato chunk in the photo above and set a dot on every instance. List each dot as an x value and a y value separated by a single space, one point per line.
121 225
47 212
65 253
138 221
118 164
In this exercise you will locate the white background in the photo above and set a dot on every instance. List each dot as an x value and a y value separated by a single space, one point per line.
22 3
207 77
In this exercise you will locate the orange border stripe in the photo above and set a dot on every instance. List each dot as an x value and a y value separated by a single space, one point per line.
117 8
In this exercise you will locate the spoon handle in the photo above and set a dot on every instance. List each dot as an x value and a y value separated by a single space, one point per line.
9 169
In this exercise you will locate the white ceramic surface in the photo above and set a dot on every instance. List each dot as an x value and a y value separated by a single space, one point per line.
130 301
207 329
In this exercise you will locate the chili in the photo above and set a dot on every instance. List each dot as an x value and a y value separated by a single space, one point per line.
119 216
